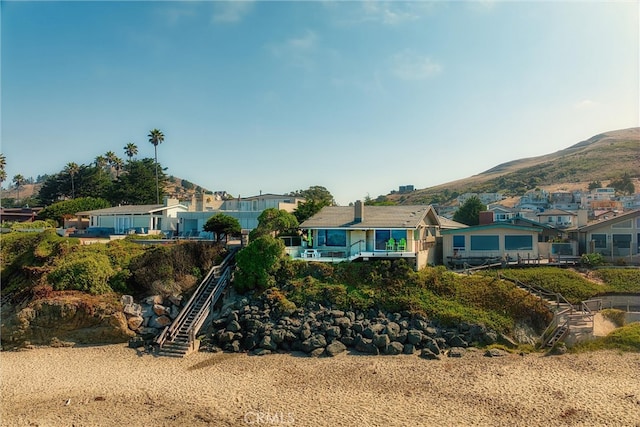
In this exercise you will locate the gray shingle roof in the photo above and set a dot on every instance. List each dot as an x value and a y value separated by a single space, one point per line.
373 217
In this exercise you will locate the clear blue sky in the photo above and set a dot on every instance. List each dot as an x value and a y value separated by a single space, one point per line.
279 96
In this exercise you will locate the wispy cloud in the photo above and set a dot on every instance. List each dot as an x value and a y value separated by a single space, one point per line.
585 104
391 13
231 11
408 65
296 50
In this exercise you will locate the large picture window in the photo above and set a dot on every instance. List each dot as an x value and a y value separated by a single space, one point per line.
383 236
332 238
518 243
485 243
622 241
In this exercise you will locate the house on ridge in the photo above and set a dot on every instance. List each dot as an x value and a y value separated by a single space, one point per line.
363 233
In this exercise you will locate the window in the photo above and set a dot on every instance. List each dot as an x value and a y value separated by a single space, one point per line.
623 224
383 236
485 243
600 240
332 238
518 243
458 243
622 241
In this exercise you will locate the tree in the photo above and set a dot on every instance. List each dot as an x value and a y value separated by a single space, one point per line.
223 226
623 185
273 222
3 164
117 165
258 264
136 186
156 137
469 212
131 150
101 162
595 184
18 180
316 197
72 169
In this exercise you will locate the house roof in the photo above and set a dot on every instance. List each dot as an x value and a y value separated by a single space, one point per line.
606 222
406 217
129 210
549 212
492 226
532 223
446 223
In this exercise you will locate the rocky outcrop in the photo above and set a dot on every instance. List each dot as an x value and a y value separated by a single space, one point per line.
256 327
67 316
148 318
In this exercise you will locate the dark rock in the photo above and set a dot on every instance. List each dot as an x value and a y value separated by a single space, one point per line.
333 331
251 341
495 352
336 313
234 326
392 329
365 345
260 352
348 341
316 341
132 309
402 336
457 341
266 343
420 325
225 337
428 354
335 348
136 342
235 346
456 352
343 322
160 322
414 336
381 341
408 349
393 348
317 352
278 335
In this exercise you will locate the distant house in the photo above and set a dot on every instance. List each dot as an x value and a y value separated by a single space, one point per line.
616 238
142 219
558 218
18 214
245 210
359 232
482 243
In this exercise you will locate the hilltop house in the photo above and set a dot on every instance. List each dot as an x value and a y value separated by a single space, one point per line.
359 232
558 218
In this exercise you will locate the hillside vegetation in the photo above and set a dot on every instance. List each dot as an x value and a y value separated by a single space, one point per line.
603 158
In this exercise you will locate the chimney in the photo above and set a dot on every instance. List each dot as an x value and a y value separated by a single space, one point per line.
359 211
486 217
583 217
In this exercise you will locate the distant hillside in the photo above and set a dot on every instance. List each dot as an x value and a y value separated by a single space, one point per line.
604 157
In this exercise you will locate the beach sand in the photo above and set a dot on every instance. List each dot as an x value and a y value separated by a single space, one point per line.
114 385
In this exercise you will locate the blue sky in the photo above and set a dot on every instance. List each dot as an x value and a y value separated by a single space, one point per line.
272 97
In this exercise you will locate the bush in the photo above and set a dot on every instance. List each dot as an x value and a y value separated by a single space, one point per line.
618 317
82 272
591 260
258 263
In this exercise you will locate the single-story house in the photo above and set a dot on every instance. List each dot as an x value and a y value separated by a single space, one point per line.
359 232
481 243
143 219
616 238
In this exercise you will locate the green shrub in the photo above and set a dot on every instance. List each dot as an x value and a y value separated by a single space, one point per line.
618 317
626 338
258 264
83 272
592 260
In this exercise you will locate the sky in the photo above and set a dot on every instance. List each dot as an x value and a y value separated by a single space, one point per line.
273 96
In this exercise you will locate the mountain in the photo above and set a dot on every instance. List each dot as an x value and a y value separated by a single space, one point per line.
604 157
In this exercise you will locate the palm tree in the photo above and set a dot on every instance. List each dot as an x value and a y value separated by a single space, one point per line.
18 180
117 165
156 137
131 150
72 169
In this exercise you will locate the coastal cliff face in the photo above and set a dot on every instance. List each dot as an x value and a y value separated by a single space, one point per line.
65 316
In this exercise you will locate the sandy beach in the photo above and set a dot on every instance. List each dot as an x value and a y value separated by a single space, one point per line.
114 385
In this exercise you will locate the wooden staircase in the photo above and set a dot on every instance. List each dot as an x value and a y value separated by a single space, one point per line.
568 320
179 338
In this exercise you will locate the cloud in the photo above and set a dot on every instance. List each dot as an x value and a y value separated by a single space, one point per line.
391 13
231 11
296 50
408 65
585 104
